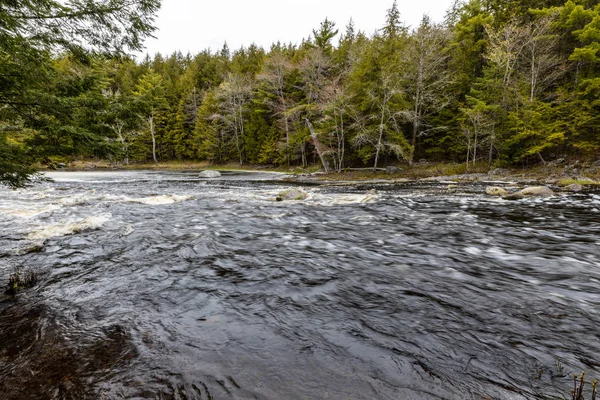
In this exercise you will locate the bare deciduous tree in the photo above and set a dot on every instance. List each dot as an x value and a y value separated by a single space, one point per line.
276 69
235 92
427 77
382 98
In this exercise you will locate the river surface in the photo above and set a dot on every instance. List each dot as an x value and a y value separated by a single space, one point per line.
161 285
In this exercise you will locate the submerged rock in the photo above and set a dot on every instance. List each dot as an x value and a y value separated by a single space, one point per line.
210 174
495 191
371 196
292 194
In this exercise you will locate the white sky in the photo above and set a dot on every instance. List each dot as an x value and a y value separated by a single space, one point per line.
195 25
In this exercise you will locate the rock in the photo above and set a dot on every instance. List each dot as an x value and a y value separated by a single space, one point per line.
292 194
370 197
495 191
537 191
498 171
392 170
372 192
452 187
557 162
210 174
61 165
513 196
574 187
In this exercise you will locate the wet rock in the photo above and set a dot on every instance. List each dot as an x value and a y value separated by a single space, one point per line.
574 187
371 196
20 280
61 165
210 174
392 170
495 191
514 196
537 191
452 187
498 171
292 195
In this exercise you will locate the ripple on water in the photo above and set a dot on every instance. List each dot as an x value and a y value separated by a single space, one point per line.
168 288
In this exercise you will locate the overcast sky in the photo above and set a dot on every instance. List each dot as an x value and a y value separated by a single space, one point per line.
194 25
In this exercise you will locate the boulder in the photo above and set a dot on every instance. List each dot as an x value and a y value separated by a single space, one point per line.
537 191
292 194
557 162
210 174
61 165
392 170
495 191
574 187
498 171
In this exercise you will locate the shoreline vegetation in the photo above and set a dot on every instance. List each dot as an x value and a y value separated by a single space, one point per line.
556 174
496 83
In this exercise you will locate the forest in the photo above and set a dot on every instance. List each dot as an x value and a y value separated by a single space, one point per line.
499 82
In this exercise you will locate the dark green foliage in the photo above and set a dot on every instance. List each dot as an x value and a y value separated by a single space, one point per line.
50 86
500 82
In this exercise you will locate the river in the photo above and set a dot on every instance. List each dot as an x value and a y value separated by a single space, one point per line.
162 285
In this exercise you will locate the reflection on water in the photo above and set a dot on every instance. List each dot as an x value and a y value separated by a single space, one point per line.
164 285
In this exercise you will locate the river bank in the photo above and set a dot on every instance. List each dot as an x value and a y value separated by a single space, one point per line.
557 173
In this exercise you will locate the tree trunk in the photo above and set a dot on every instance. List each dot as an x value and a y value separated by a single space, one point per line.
241 134
341 143
151 121
468 152
378 148
475 149
318 146
492 140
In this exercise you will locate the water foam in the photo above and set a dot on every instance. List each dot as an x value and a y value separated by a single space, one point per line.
69 228
28 213
160 200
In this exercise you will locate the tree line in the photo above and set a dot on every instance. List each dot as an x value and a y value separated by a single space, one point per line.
497 82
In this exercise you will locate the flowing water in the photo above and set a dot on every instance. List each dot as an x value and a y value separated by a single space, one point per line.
166 286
